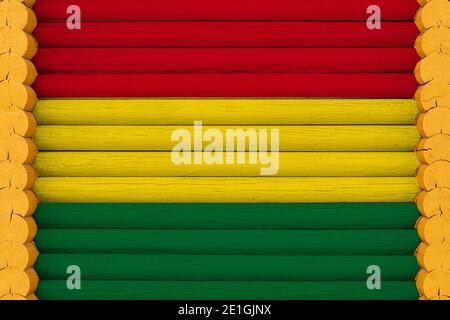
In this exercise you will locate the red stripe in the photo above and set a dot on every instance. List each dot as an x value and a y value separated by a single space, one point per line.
189 10
228 85
226 60
227 34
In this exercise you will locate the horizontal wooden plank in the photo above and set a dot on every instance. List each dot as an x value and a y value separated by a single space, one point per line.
160 164
226 34
232 290
291 138
204 10
271 189
230 85
174 267
226 215
225 60
224 111
305 242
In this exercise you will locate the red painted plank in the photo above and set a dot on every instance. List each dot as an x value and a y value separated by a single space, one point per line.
228 85
207 10
226 34
225 60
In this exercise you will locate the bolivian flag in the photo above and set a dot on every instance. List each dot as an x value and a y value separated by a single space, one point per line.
239 149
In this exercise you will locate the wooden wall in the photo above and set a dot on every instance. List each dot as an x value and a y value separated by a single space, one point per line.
341 95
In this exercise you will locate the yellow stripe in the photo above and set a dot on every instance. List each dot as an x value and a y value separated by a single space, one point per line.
292 138
157 164
225 111
226 189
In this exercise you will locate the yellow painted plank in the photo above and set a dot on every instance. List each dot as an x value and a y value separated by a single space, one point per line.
225 111
160 164
268 189
292 138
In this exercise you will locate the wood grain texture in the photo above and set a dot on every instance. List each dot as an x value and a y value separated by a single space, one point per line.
17 42
226 215
433 94
16 148
15 201
435 66
224 111
433 149
159 164
433 40
204 10
226 34
226 189
16 96
232 290
292 138
18 282
175 267
17 15
216 242
434 231
20 122
225 60
435 175
139 55
230 85
17 255
17 69
433 13
16 175
434 121
433 285
434 203
17 229
433 256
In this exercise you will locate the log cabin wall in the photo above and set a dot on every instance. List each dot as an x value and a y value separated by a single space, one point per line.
18 253
433 100
138 226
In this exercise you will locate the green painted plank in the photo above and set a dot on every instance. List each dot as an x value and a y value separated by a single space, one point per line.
227 290
225 267
227 215
317 242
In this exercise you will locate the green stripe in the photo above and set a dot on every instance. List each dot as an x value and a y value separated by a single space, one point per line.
225 267
227 215
317 242
237 290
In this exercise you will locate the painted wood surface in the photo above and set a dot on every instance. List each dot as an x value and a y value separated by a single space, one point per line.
226 34
244 85
224 111
232 290
345 199
171 267
226 215
169 241
204 10
18 278
160 164
292 138
273 189
225 60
